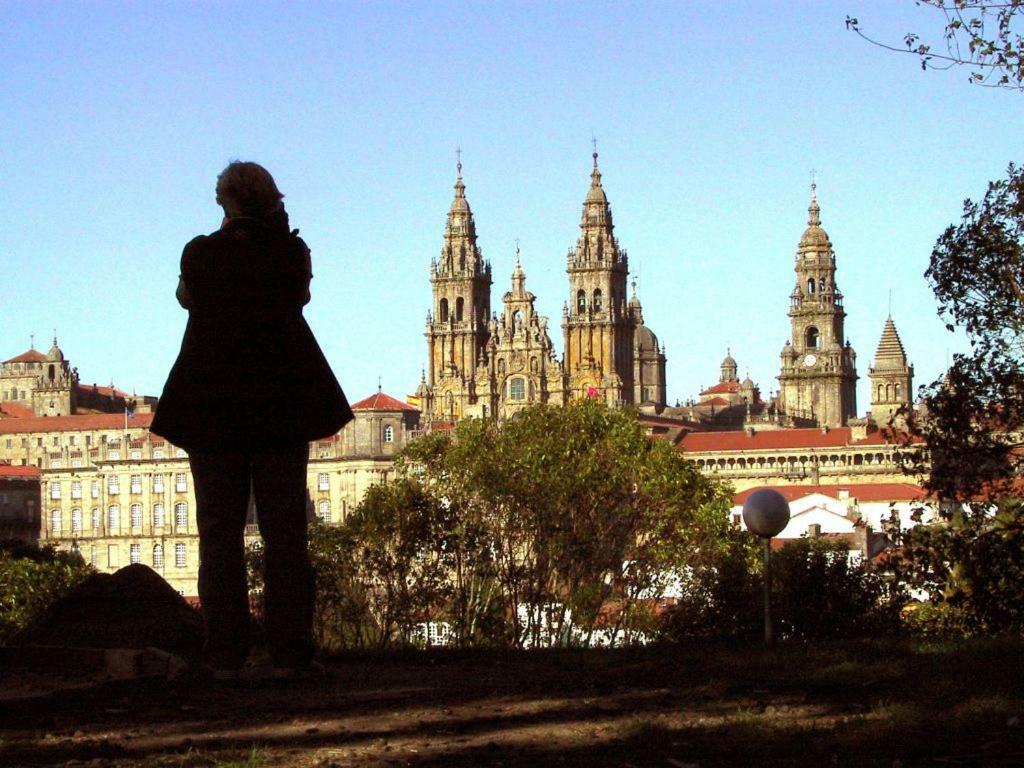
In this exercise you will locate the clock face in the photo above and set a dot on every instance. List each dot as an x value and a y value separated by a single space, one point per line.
810 360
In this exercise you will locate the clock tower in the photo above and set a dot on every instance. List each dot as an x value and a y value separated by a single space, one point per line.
818 379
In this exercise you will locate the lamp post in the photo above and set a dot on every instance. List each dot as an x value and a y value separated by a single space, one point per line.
766 513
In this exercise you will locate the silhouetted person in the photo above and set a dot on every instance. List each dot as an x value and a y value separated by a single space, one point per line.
249 390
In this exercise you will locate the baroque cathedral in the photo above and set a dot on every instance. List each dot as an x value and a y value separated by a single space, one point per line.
482 363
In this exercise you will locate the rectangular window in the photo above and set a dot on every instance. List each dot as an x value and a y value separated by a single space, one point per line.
56 440
92 554
323 482
76 489
158 516
76 463
158 453
56 464
158 483
54 490
135 514
135 454
179 453
71 440
517 389
134 553
95 518
112 559
94 489
136 484
179 555
113 454
180 483
113 485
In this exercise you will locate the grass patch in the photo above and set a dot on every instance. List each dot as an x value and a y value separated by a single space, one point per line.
256 757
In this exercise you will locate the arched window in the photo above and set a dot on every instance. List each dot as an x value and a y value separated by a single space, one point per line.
896 389
811 338
76 520
581 300
323 510
158 555
113 518
135 515
810 285
458 308
462 257
158 516
597 299
442 311
55 521
517 388
888 392
389 434
95 515
180 515
51 373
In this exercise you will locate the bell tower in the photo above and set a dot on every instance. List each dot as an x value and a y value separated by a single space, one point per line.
892 378
818 378
597 326
457 322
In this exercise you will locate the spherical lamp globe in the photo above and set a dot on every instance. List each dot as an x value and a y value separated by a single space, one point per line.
766 512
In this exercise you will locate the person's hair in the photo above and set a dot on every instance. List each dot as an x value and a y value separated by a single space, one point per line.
248 189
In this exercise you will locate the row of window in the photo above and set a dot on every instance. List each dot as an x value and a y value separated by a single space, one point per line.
135 555
114 517
114 486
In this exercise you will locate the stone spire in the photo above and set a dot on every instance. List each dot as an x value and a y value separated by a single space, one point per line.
890 354
892 379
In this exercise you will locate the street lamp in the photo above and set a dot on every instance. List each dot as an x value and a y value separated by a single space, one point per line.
766 513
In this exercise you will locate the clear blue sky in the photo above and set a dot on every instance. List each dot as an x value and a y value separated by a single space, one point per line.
116 119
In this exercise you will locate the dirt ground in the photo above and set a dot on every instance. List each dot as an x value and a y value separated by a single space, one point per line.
849 704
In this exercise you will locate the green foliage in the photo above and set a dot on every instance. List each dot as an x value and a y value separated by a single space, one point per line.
30 580
557 527
970 561
817 592
983 35
567 520
971 566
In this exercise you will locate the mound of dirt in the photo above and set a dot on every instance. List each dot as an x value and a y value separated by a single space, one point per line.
131 608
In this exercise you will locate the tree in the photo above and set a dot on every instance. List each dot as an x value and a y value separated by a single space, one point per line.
31 580
567 520
972 561
980 34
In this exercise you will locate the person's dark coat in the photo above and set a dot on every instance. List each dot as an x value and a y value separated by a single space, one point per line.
250 374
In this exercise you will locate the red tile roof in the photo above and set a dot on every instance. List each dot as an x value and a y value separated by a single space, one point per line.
15 411
32 356
87 422
6 470
837 437
859 491
381 402
714 401
105 391
722 386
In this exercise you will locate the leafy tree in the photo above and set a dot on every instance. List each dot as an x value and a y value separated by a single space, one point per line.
567 519
31 579
970 562
982 35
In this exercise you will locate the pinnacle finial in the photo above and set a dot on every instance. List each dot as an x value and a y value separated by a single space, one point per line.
814 210
32 341
458 162
593 141
633 283
55 337
379 387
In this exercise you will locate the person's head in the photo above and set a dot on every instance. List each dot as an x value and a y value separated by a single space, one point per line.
248 189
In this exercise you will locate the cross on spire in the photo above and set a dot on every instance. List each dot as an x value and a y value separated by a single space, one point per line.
593 141
458 161
814 180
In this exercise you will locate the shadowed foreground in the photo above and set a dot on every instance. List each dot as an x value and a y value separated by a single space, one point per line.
830 704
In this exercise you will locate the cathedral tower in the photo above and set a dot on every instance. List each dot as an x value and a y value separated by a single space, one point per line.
817 383
597 326
457 324
891 377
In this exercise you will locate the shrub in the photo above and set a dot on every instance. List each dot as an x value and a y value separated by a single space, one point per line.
31 579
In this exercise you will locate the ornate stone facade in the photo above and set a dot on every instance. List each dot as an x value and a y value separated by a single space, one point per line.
493 367
818 378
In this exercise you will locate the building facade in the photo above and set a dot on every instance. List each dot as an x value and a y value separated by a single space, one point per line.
483 365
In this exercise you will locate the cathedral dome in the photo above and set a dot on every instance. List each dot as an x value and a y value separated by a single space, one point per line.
646 340
728 362
55 354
